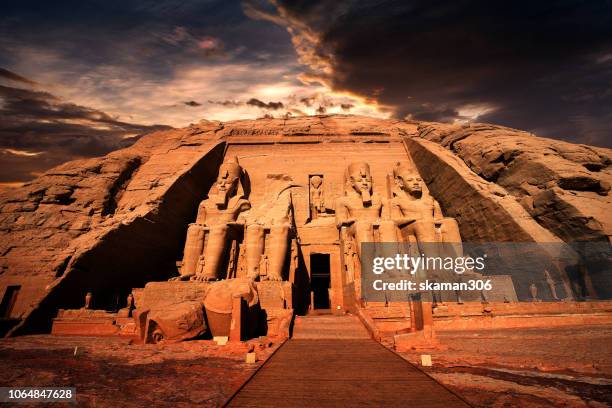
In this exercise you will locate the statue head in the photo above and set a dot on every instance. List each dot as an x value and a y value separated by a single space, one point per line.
316 181
228 180
359 178
408 180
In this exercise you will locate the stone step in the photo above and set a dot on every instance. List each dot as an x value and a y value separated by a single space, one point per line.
329 327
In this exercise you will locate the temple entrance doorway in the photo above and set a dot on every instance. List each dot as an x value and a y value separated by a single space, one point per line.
320 280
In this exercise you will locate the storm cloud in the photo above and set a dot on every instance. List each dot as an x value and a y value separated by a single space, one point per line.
95 75
264 105
39 130
539 66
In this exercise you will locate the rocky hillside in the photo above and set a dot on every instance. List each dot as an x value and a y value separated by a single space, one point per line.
564 187
93 223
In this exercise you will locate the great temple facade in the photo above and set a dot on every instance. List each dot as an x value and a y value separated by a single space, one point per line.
232 229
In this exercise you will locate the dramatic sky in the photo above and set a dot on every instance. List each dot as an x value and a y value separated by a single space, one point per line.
81 78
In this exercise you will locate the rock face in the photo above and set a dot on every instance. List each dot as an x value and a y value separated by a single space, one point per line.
484 210
563 186
117 222
61 224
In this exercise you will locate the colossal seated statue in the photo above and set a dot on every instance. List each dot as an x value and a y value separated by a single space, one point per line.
217 215
417 213
360 209
419 218
265 258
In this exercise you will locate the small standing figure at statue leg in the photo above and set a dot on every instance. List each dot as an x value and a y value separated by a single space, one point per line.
87 301
316 197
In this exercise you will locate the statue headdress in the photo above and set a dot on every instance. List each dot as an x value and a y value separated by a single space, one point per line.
401 169
362 167
231 168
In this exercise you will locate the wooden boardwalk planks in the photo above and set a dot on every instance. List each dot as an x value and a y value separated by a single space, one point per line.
341 373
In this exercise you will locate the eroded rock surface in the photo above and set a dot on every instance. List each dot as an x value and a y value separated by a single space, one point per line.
119 221
565 187
105 216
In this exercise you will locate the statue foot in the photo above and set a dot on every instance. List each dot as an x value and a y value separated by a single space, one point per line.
274 278
203 278
180 278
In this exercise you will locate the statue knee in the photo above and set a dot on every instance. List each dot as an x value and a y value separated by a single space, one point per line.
449 228
218 230
388 231
195 231
254 226
282 229
254 231
364 236
426 231
363 227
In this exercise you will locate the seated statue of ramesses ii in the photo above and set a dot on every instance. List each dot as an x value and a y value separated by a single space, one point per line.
216 215
273 217
418 213
360 209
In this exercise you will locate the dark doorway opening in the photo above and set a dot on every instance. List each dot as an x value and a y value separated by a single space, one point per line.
320 280
8 301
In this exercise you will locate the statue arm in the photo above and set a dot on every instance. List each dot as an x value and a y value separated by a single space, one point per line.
397 215
244 207
342 214
437 211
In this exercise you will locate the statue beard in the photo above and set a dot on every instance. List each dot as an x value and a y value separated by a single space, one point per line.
416 193
366 196
222 198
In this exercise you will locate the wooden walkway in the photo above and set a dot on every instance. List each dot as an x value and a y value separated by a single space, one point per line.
341 372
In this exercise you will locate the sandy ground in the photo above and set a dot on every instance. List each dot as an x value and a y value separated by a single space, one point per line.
563 367
115 372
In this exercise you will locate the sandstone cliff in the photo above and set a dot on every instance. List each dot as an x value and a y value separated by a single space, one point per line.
564 187
119 221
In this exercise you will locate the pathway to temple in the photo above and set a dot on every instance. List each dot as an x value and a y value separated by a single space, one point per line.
331 361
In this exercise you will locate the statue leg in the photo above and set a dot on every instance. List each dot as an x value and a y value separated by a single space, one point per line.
425 233
389 243
193 249
388 231
314 213
362 232
450 230
215 249
451 238
431 247
279 244
254 242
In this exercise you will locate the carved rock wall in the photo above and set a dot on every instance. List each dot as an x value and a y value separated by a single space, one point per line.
119 221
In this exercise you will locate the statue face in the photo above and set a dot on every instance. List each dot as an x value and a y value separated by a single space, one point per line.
361 180
411 183
226 181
